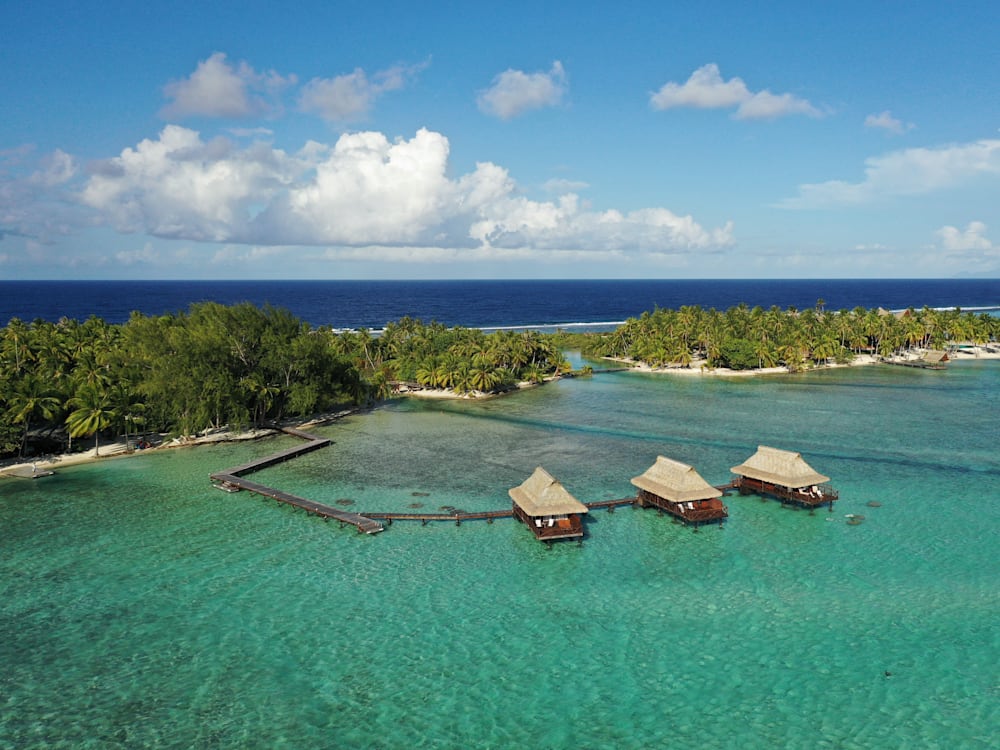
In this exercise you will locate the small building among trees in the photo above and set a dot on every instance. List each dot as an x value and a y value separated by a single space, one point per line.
679 490
548 509
784 475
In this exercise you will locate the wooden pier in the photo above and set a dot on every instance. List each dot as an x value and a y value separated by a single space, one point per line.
487 515
424 518
610 505
362 523
313 443
234 479
230 479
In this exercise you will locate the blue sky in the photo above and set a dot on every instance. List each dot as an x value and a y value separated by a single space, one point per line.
529 140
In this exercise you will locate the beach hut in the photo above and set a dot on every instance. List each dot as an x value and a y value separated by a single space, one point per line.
679 490
935 359
784 475
547 508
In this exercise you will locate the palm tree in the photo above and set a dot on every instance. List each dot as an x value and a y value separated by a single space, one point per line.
425 373
481 378
15 342
29 399
93 412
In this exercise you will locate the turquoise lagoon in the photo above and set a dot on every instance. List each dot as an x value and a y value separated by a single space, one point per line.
142 608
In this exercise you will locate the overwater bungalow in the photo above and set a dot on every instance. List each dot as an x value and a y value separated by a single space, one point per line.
680 491
784 475
547 508
934 359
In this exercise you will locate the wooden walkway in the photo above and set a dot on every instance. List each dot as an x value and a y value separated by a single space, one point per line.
234 478
487 515
362 523
313 443
919 363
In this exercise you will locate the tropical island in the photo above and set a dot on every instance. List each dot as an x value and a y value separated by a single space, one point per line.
242 367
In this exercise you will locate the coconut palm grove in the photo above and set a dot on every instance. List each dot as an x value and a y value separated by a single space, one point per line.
69 384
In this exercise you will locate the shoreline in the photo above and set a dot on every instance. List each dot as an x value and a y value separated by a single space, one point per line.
118 449
699 369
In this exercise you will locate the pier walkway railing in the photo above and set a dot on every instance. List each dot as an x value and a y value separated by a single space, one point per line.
234 479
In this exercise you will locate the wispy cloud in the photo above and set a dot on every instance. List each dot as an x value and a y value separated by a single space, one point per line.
885 121
913 171
560 186
706 89
351 96
515 92
218 89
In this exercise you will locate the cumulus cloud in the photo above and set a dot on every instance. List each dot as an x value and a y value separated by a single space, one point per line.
974 237
218 89
351 96
885 121
912 171
515 92
706 89
364 190
179 186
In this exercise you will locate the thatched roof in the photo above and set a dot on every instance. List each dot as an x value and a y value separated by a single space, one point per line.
780 467
675 482
935 356
541 495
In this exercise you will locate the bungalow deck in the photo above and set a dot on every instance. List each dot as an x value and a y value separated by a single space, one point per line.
802 497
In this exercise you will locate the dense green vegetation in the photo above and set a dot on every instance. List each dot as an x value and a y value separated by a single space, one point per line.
237 365
242 365
745 338
460 359
180 373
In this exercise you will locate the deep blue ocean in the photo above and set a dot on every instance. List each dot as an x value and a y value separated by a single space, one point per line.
482 304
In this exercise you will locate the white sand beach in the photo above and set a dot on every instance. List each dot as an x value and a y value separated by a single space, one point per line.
699 367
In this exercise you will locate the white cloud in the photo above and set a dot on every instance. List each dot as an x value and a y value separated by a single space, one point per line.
885 121
351 96
515 92
217 89
57 168
363 191
251 132
912 171
564 186
145 255
973 238
179 186
706 89
33 199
